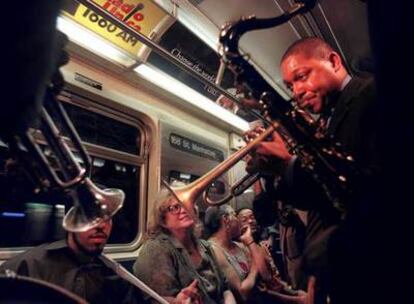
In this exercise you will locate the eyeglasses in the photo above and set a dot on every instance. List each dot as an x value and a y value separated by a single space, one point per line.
174 209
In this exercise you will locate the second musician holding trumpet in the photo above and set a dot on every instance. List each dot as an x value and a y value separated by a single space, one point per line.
347 110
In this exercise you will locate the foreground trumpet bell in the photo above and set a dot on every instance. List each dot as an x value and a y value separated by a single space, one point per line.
91 206
59 169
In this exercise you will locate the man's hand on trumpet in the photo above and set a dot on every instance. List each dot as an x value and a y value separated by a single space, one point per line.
271 154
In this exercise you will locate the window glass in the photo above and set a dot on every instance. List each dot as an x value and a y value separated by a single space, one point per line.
103 131
29 217
185 178
111 174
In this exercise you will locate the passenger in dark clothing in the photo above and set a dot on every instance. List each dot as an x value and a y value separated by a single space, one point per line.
77 265
320 84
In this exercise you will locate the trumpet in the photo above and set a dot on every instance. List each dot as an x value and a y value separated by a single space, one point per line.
188 194
333 169
91 205
236 189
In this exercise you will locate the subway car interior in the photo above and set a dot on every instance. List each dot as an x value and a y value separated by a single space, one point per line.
116 98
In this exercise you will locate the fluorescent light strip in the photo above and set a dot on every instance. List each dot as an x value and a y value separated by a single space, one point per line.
179 89
91 41
204 34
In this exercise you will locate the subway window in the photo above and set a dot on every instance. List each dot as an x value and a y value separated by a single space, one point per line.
29 216
101 130
186 178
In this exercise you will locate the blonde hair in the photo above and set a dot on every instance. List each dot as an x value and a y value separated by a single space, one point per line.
157 216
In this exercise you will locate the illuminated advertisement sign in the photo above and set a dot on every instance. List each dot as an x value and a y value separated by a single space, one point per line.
141 15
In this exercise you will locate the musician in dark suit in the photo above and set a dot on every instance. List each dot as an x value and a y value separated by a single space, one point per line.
346 106
320 83
77 265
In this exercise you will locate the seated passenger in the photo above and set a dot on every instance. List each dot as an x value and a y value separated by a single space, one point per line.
272 286
77 265
239 261
268 208
174 262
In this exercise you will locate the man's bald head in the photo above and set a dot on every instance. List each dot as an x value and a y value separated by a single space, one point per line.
312 71
311 47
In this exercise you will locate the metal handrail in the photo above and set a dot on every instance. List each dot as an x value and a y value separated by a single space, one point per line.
162 52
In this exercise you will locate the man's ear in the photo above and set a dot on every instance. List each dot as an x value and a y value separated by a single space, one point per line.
224 220
335 61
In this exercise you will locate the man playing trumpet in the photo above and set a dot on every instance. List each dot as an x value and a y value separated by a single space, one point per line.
347 111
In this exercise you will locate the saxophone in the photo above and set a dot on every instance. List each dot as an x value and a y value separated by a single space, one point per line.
275 283
332 168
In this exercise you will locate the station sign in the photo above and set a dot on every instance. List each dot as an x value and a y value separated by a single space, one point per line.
188 145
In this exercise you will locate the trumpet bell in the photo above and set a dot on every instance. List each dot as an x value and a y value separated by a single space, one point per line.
184 195
92 206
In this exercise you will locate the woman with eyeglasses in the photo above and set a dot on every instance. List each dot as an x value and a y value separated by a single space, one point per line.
176 264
